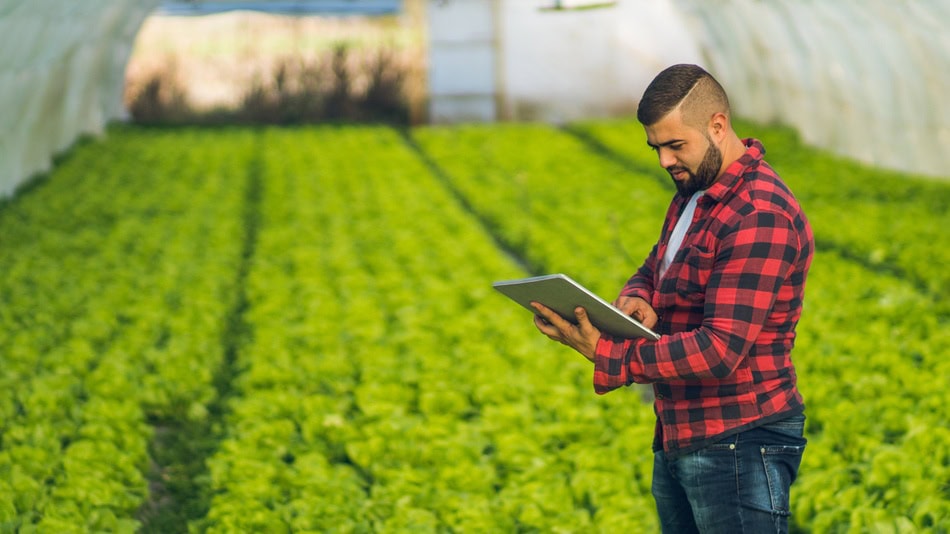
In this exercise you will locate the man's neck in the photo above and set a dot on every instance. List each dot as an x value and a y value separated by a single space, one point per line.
733 149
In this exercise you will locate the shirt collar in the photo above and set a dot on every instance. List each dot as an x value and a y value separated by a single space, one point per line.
733 174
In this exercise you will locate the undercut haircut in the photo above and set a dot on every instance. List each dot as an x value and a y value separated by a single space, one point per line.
689 87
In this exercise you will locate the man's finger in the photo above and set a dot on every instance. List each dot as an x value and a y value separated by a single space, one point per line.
549 315
543 324
544 320
549 330
583 321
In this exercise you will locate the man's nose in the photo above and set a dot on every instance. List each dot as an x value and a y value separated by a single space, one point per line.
667 159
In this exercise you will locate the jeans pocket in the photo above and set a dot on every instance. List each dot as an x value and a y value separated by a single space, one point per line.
781 463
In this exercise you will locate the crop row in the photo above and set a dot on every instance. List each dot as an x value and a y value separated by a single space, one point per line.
886 219
385 388
872 351
328 291
118 274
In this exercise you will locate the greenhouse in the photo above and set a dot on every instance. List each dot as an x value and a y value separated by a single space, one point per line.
248 251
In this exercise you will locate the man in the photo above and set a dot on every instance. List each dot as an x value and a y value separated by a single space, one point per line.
724 287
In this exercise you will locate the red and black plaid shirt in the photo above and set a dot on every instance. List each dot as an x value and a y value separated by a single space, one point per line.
727 305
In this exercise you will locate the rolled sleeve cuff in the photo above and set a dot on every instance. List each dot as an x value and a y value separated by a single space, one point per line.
610 364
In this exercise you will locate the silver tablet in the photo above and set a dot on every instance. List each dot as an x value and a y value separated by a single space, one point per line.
562 294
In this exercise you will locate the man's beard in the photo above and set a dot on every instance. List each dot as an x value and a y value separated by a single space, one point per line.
704 176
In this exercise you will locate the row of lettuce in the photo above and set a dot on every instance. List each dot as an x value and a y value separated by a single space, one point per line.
887 220
384 390
872 352
376 383
118 277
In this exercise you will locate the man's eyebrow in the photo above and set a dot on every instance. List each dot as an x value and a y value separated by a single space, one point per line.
667 143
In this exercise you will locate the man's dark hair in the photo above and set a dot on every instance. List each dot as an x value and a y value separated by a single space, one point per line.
691 86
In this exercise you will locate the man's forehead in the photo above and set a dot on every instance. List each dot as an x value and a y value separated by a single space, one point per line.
669 129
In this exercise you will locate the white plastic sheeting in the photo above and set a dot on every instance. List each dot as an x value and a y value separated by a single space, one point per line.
864 78
62 70
563 65
869 79
463 60
523 60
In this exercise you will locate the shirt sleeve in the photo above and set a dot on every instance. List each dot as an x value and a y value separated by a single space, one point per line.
752 264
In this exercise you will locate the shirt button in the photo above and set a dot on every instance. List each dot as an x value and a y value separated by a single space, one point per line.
659 396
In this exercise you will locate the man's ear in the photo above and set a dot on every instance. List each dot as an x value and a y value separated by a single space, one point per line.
718 126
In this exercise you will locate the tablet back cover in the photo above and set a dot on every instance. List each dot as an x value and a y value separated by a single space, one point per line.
562 294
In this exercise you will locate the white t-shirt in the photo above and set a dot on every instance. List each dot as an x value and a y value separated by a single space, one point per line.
679 232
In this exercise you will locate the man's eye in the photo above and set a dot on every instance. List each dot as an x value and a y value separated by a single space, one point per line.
676 147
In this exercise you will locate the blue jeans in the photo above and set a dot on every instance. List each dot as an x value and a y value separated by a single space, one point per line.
737 485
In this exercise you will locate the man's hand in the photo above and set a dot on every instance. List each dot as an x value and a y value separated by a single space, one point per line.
582 337
637 308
